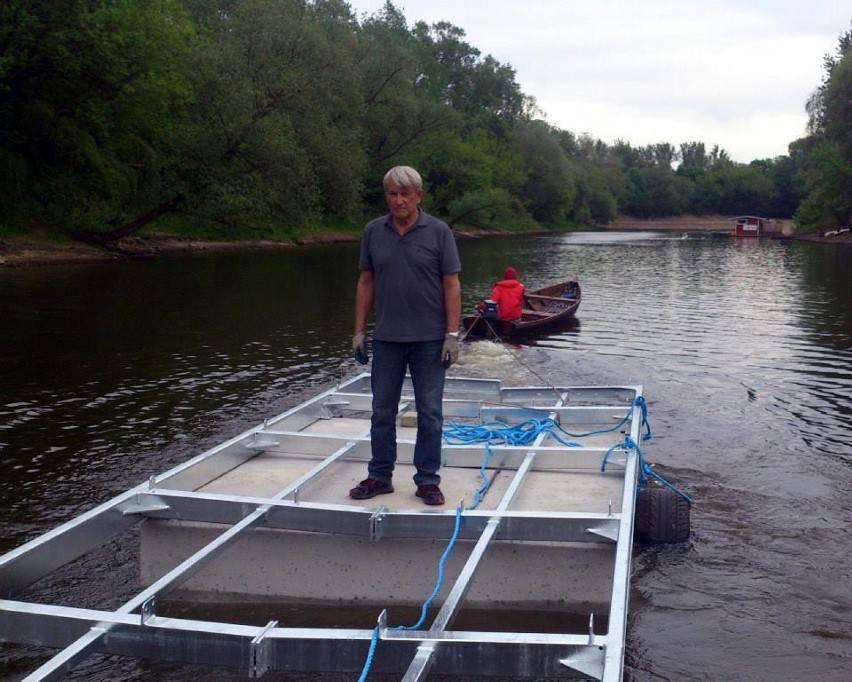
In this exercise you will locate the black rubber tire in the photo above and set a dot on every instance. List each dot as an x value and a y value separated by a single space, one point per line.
662 516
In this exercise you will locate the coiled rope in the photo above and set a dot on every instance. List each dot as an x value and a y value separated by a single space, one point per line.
500 433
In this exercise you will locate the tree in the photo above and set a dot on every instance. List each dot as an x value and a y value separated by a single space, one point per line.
598 188
549 189
88 90
693 155
787 187
656 192
828 155
258 117
400 109
274 124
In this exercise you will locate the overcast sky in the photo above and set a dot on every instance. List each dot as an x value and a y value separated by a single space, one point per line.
733 73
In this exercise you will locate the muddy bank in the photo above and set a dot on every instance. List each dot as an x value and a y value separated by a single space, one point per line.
775 228
26 251
32 251
721 223
716 222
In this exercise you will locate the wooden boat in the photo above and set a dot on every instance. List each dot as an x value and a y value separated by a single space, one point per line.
543 309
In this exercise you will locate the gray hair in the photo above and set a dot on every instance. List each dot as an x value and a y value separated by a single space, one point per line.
403 176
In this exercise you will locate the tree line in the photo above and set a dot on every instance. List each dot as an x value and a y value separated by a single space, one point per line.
272 118
825 154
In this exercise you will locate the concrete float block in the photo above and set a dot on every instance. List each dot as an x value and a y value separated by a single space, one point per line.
329 569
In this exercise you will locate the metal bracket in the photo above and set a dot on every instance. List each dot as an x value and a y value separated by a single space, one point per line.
258 443
608 530
260 651
148 610
329 408
376 528
588 660
382 622
154 505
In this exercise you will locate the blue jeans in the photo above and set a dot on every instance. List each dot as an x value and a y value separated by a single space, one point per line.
423 360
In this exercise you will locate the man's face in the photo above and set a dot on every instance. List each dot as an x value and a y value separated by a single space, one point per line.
403 202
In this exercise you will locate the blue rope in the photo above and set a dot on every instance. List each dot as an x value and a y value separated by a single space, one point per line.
644 470
477 496
497 433
526 432
426 604
500 433
440 581
640 403
370 653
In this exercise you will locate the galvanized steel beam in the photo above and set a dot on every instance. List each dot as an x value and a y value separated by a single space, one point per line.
135 629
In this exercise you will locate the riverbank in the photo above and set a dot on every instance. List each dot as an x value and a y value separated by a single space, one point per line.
34 251
712 223
30 251
775 228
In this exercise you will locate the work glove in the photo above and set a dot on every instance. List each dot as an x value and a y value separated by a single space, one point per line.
450 351
359 349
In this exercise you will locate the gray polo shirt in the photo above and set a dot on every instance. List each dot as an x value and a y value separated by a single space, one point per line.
408 273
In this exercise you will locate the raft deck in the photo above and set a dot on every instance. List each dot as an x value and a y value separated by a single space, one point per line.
265 518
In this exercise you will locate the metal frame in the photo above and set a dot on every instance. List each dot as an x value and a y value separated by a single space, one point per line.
135 629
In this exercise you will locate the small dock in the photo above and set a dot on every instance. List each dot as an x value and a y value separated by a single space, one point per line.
544 525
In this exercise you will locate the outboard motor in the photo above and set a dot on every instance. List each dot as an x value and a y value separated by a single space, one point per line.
489 310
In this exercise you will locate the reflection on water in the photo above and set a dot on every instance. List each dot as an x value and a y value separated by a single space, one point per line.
112 372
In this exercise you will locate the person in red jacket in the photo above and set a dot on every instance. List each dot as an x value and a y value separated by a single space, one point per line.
509 294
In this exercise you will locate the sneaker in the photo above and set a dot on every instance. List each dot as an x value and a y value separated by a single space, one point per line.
370 487
430 493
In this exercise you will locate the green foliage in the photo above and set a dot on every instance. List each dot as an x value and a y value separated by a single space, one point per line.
550 187
598 188
272 134
489 209
829 203
655 192
269 118
826 155
86 98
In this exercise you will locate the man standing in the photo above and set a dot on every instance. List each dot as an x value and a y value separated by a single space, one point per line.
410 272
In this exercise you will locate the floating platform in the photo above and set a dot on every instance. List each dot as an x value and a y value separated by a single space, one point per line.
541 526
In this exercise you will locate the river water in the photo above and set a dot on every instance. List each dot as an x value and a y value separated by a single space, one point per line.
112 372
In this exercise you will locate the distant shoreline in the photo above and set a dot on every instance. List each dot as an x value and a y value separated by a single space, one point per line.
32 251
775 228
720 223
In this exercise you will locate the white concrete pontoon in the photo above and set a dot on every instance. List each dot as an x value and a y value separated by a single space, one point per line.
265 517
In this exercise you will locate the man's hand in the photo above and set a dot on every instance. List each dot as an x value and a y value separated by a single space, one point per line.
450 351
359 348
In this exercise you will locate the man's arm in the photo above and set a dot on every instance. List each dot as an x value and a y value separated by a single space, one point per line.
452 301
363 300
